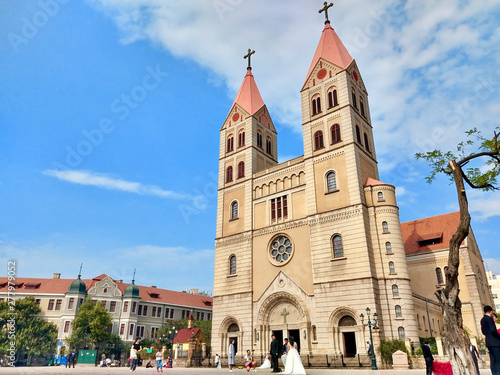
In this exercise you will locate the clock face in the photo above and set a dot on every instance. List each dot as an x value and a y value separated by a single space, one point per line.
236 116
321 74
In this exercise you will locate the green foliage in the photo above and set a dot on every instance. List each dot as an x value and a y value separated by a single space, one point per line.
389 347
432 344
33 335
91 325
483 177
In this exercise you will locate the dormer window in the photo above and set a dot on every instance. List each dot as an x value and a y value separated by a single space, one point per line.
316 105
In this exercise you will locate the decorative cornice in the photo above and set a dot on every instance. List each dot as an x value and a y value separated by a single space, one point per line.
330 155
237 238
271 176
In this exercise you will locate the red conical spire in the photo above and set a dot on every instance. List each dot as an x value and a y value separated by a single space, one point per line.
330 48
249 96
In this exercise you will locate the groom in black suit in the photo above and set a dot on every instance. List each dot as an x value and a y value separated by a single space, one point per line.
275 352
492 338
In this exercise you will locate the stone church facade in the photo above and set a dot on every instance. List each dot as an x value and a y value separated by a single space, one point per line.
305 246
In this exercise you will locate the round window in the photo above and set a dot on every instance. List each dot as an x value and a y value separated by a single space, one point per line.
281 250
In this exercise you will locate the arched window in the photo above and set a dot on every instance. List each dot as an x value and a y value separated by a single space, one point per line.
392 269
388 247
401 332
399 313
229 174
335 133
338 251
241 138
316 105
318 140
354 102
380 196
418 322
269 149
362 107
259 138
385 227
315 336
234 210
395 291
331 181
241 169
232 265
332 98
358 134
230 144
439 276
367 144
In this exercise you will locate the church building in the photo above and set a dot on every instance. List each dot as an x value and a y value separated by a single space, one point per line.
301 245
305 247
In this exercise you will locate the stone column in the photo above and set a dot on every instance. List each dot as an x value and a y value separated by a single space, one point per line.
439 344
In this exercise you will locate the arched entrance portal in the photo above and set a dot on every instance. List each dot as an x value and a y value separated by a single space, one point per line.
347 332
283 315
230 330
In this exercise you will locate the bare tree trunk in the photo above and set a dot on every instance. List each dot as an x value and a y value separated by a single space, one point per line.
456 342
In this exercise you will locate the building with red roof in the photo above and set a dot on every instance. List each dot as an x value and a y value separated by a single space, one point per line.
137 311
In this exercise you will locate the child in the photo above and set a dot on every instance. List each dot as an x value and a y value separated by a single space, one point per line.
159 360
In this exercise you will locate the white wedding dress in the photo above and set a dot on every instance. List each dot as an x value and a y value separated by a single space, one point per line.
293 363
266 364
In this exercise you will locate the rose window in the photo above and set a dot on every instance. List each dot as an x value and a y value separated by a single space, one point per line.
281 249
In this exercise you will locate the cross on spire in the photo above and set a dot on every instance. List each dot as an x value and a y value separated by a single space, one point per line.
325 8
250 53
133 277
80 273
284 313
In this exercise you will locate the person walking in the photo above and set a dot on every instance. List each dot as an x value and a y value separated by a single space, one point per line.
159 360
70 360
492 337
275 352
429 359
134 356
231 356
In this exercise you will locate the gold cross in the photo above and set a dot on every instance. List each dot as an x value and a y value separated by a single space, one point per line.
325 8
250 53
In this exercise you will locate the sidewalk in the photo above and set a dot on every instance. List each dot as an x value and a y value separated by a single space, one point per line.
198 371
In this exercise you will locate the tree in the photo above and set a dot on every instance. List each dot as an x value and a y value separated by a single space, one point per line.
483 176
92 325
33 336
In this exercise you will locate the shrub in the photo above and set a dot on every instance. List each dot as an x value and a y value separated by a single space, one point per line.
389 347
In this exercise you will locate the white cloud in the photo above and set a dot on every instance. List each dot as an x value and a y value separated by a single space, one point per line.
430 67
484 205
112 183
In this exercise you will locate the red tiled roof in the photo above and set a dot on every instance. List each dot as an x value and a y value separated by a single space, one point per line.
330 48
372 182
248 96
60 286
185 334
429 228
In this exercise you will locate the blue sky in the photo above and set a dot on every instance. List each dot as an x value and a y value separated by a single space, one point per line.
110 115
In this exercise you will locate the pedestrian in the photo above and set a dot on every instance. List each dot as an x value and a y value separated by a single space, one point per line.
217 362
475 355
294 364
275 352
134 353
231 356
249 362
159 360
492 337
368 348
428 357
70 360
285 352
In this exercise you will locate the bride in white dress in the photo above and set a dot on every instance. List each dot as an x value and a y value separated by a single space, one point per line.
266 364
293 362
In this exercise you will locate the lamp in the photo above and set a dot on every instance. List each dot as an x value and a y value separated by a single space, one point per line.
371 325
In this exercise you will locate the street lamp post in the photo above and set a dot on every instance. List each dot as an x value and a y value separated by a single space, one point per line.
172 334
370 326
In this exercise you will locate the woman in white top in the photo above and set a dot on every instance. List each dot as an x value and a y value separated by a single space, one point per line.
293 362
267 363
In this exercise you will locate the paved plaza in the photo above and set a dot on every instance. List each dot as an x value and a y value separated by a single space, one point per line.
198 371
